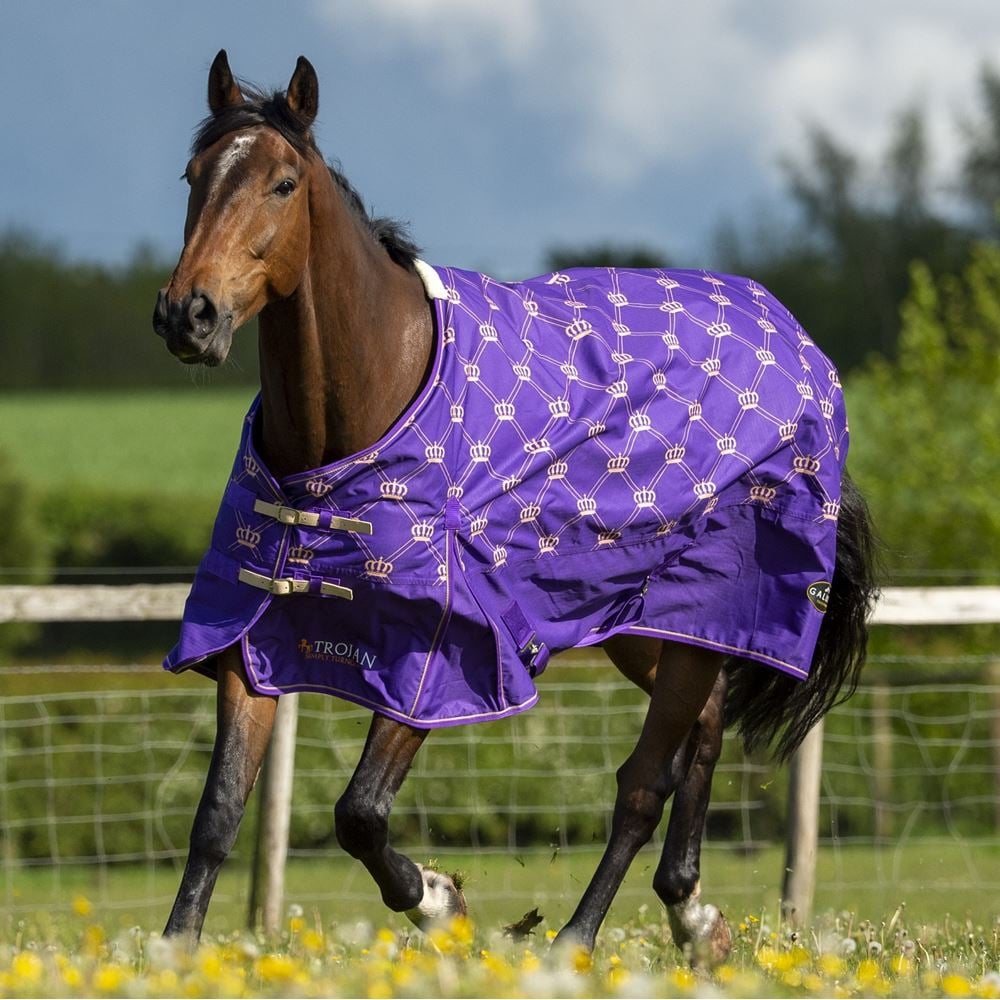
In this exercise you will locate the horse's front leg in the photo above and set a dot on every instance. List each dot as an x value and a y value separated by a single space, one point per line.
245 719
699 928
685 677
362 819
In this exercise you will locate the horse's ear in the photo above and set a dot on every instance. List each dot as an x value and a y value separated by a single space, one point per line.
223 90
303 91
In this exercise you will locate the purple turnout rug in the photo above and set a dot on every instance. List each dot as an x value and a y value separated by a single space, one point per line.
595 452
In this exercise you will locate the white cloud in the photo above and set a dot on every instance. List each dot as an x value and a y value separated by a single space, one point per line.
650 82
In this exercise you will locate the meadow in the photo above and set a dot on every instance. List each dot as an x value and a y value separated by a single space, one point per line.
180 441
91 930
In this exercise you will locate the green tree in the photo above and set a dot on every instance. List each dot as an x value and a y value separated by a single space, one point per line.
844 269
561 258
926 426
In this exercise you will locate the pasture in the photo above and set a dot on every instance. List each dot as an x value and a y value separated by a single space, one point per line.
117 441
75 928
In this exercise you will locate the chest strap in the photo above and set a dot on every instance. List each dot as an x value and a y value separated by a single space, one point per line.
240 498
294 585
312 518
227 568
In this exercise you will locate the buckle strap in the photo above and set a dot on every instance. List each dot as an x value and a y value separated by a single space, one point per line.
312 518
282 586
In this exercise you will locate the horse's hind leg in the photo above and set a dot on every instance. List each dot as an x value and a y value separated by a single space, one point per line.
684 679
245 719
362 818
698 928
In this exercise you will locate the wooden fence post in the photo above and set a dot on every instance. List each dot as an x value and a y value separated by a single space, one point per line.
993 678
267 889
799 882
882 762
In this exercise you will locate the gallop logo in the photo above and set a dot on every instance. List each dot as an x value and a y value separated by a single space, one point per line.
337 652
819 594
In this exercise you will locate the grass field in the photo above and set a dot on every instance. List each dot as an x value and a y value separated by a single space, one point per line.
503 885
185 438
941 943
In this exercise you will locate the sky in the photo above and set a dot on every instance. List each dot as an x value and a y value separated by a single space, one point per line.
497 129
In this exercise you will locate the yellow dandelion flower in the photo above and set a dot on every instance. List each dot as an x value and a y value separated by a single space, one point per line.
210 963
582 960
812 983
799 957
165 982
725 974
616 978
955 985
72 977
550 934
901 966
462 930
530 961
275 968
295 924
27 969
82 906
109 978
379 989
868 972
831 965
988 986
386 936
683 979
312 940
792 978
93 939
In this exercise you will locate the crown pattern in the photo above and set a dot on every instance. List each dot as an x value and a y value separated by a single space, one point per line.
380 569
807 465
248 537
318 487
300 555
422 531
393 489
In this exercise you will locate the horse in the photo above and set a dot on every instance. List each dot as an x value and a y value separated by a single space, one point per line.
740 607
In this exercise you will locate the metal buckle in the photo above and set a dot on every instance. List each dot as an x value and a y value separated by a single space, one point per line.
350 524
282 586
310 519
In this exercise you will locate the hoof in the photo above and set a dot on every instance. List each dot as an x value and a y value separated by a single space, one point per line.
442 900
700 931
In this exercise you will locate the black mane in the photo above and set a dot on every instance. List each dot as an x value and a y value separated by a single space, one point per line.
272 109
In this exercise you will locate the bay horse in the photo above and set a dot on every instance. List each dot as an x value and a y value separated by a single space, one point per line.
732 584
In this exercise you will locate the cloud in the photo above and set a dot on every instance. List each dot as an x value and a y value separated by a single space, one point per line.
646 83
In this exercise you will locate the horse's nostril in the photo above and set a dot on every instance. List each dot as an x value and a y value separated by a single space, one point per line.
202 314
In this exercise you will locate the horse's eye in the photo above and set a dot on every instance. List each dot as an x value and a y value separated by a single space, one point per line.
285 188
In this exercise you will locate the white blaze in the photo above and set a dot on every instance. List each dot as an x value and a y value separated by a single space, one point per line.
238 149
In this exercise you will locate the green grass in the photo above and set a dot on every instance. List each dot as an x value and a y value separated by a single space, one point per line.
179 441
932 879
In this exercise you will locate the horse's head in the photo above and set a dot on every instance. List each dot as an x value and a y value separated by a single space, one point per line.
246 236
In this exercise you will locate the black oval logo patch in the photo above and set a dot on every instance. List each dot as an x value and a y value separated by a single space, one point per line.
819 594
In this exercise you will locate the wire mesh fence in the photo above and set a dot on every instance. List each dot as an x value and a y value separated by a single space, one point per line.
104 774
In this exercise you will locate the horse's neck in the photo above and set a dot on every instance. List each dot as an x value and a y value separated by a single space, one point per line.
342 357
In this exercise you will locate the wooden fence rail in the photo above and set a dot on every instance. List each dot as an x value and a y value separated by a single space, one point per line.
912 606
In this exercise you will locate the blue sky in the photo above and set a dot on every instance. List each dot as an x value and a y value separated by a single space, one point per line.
496 129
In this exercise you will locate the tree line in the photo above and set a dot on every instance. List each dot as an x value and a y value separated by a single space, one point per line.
842 268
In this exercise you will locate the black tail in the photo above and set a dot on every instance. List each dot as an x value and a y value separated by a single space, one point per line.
771 707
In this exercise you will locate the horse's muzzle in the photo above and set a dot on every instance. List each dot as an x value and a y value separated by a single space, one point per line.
193 328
